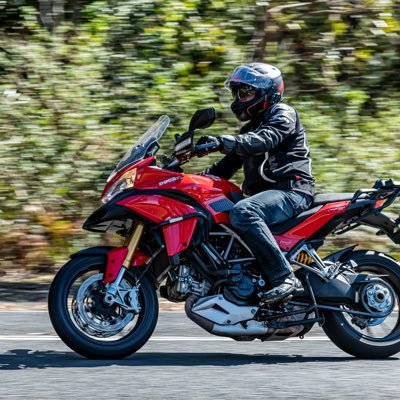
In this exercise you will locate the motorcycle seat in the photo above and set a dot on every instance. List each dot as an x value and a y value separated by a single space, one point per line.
321 199
318 201
283 227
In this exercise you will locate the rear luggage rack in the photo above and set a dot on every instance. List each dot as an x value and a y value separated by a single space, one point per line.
386 192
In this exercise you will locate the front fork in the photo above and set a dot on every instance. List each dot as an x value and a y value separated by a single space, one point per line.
126 297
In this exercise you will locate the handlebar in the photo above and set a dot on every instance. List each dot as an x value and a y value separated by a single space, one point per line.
203 146
185 156
193 151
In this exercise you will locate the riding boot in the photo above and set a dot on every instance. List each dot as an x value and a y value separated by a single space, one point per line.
281 289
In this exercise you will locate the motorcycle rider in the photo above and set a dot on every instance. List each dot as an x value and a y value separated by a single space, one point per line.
273 150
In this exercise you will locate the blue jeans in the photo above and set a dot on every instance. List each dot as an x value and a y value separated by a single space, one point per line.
251 217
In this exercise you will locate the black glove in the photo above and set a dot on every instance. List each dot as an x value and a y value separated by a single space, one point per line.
210 140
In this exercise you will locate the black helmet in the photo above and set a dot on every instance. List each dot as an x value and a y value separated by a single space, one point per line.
261 83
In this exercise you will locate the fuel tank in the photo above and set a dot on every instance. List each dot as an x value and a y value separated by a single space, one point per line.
217 195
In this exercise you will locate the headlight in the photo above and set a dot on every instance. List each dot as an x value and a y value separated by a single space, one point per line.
125 181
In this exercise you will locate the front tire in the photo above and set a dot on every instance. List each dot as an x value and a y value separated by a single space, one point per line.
381 337
88 325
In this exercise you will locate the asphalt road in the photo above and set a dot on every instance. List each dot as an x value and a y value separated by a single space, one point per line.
181 361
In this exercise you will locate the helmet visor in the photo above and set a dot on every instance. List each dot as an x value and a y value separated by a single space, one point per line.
243 93
248 76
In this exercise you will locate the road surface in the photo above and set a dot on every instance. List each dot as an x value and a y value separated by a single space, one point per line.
181 361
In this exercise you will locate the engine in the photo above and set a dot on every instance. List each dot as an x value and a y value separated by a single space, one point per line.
243 286
228 304
240 284
182 282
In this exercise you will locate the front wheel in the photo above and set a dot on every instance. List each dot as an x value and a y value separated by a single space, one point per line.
368 337
90 326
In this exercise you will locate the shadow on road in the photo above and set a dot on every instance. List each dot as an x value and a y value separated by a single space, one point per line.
24 358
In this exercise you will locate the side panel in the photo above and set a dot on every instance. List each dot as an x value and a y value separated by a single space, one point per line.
310 225
156 208
219 208
178 235
161 209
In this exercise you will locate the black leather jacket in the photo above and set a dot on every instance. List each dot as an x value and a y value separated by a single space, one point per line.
273 151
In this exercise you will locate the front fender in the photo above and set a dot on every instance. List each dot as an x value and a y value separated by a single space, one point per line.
93 251
114 256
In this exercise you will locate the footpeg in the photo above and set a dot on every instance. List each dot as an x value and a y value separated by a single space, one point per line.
290 287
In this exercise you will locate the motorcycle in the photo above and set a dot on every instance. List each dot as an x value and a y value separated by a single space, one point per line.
178 238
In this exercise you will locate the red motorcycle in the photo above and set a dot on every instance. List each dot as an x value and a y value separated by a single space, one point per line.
178 239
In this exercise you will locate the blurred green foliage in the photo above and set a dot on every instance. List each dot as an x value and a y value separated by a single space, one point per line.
81 80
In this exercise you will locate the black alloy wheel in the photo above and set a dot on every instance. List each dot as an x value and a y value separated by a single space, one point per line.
90 326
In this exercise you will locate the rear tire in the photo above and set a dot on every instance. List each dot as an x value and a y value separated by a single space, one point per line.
344 333
87 340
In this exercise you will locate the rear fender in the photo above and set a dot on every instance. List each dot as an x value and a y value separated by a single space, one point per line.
114 256
333 291
334 257
385 225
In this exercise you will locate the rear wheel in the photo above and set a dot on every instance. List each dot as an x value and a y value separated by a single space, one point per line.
367 337
90 326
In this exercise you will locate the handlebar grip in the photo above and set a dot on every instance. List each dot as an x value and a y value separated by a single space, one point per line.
204 146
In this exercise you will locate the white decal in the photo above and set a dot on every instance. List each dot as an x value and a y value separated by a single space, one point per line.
169 180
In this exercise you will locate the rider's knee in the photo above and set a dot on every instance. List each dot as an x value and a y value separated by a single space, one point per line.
240 213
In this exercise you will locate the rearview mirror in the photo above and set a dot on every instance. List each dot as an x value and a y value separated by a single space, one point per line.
202 119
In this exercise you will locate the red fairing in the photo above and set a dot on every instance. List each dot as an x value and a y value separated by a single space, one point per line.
139 258
177 236
116 257
163 209
309 226
156 208
204 189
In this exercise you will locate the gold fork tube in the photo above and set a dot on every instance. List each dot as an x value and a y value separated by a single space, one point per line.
132 242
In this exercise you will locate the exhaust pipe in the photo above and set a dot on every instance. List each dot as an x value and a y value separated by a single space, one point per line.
202 322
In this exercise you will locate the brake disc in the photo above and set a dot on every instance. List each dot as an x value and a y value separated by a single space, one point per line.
93 315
